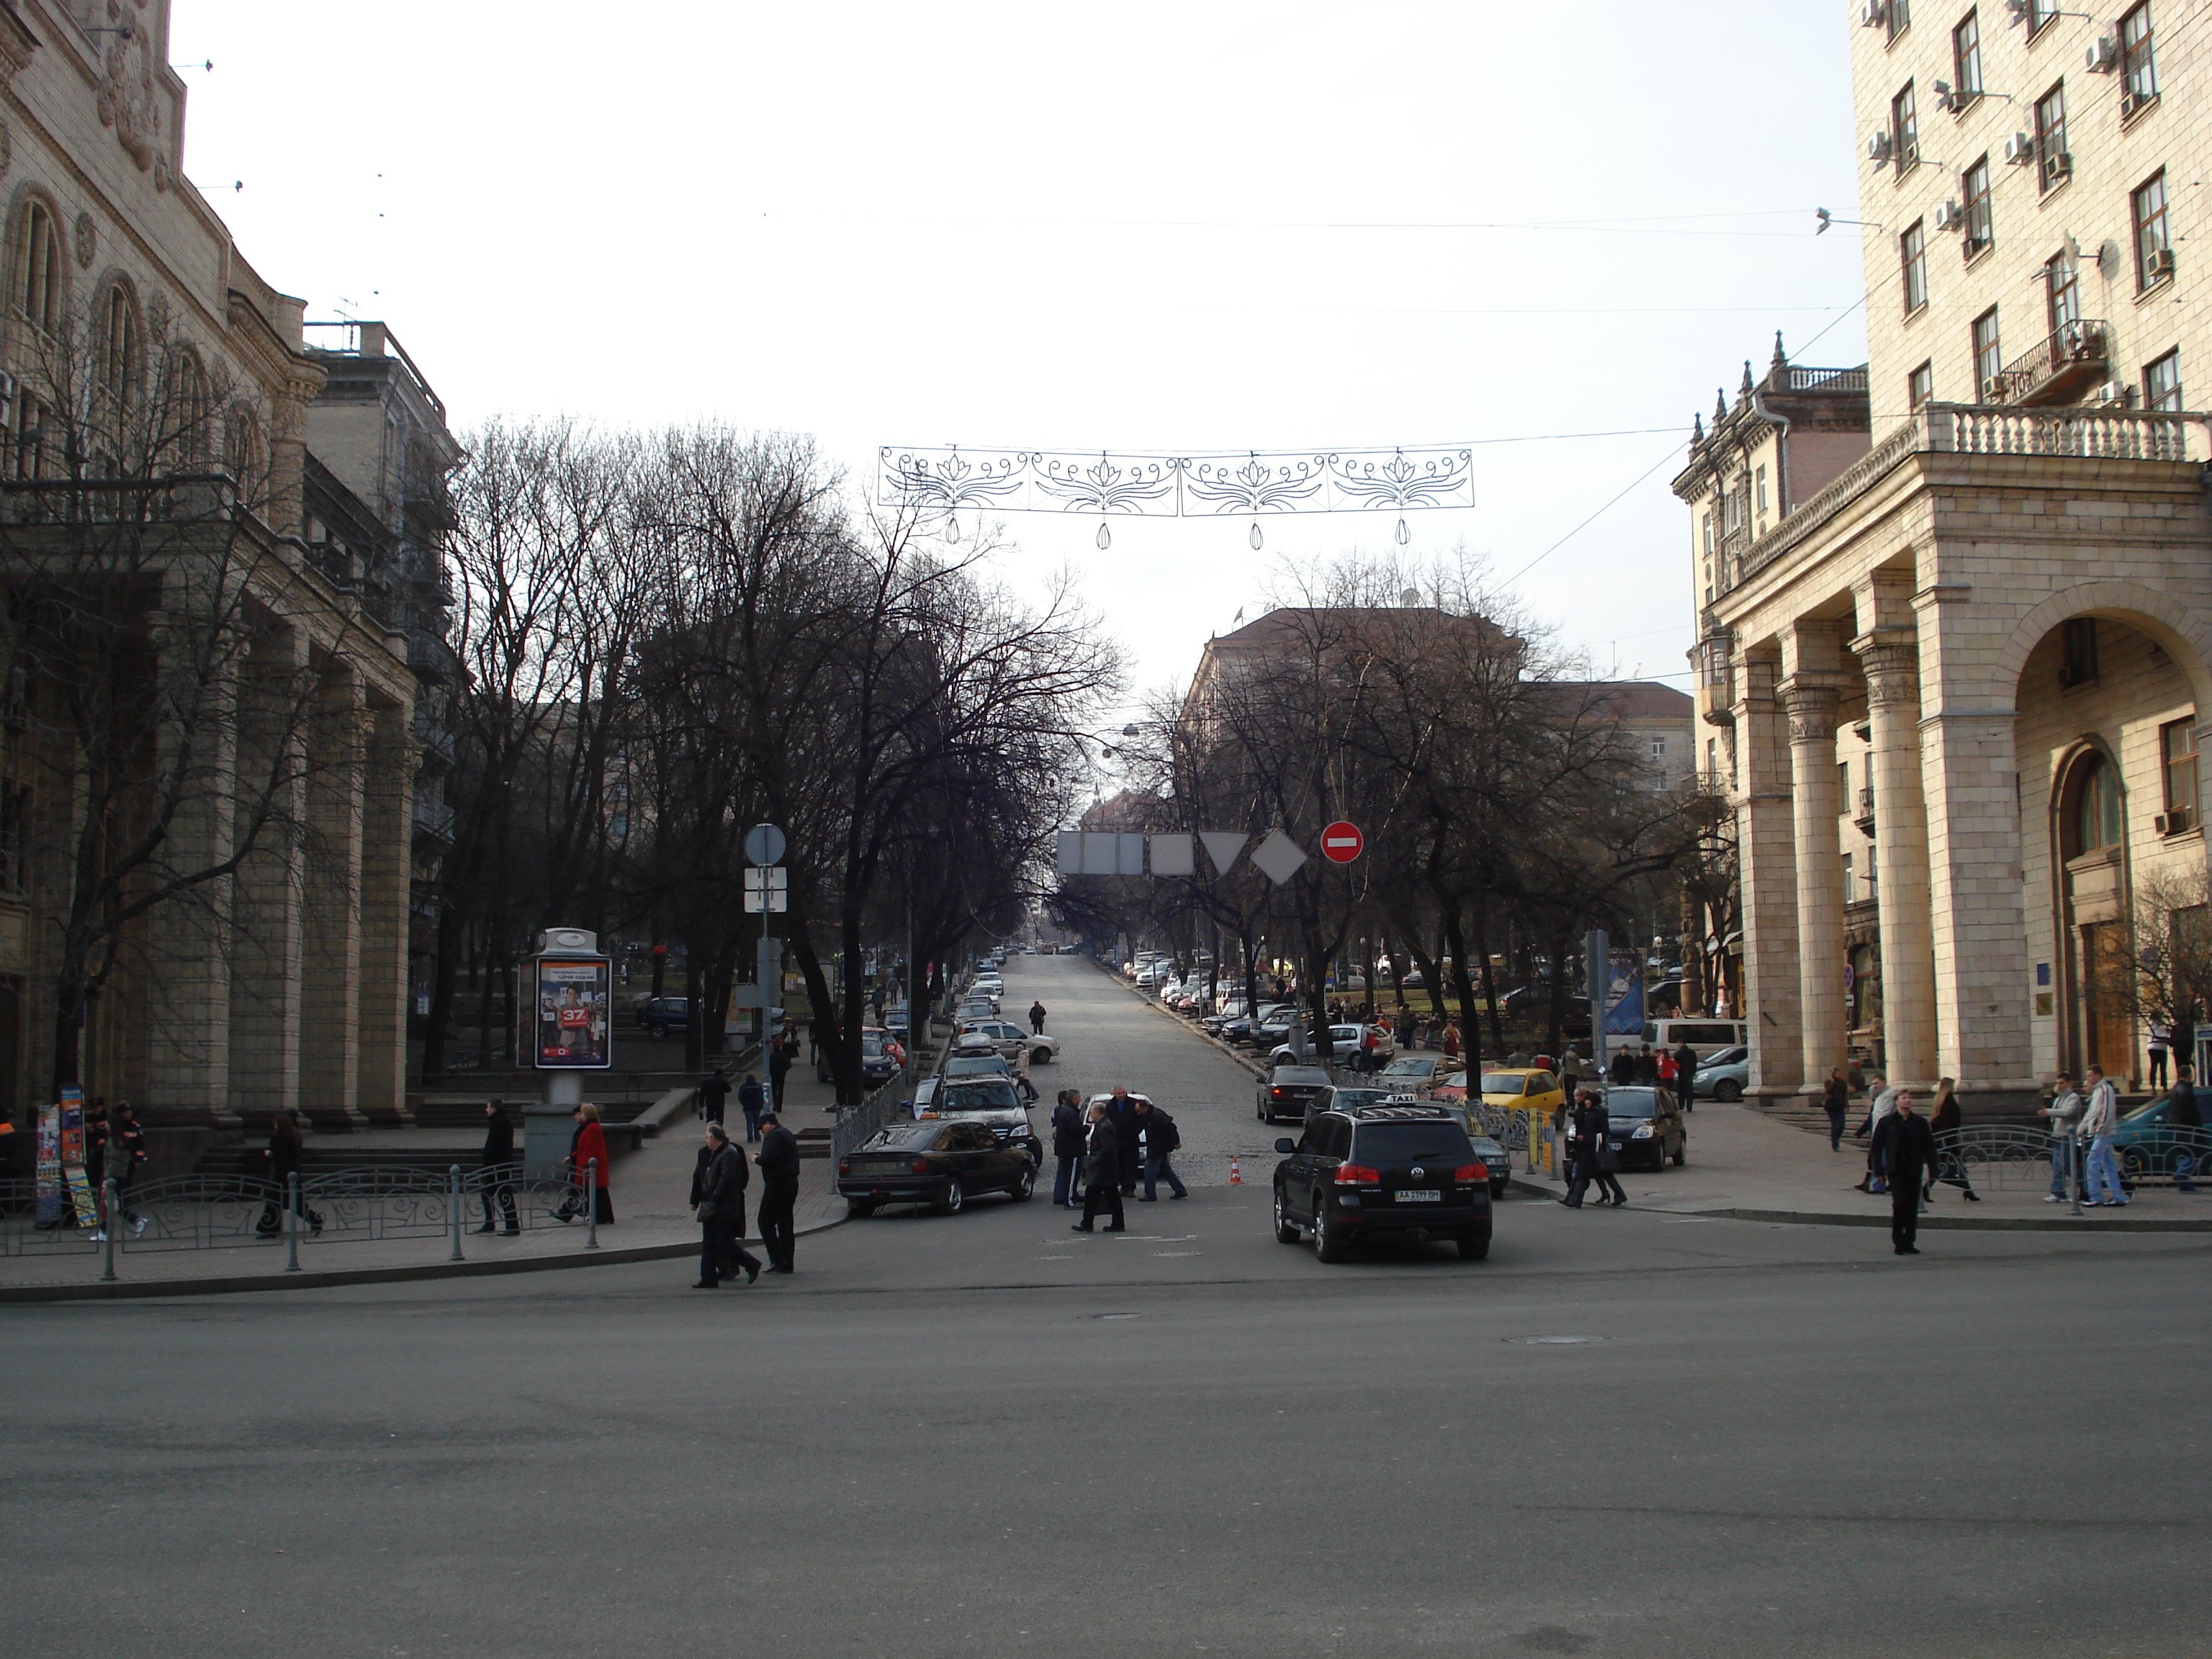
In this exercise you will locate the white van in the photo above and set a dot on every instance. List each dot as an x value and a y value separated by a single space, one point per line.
1707 1037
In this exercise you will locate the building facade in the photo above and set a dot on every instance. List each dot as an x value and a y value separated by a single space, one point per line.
1954 694
210 916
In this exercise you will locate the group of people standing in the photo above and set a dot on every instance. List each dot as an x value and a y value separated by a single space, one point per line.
718 1200
1101 1154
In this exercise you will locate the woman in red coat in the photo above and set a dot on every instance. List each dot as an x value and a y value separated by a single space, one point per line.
589 1143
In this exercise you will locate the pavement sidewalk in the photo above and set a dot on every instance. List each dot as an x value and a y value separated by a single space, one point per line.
1742 1165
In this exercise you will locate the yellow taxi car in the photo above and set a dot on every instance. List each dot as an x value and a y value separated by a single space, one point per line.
1522 1088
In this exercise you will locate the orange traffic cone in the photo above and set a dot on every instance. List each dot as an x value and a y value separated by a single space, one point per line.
1236 1176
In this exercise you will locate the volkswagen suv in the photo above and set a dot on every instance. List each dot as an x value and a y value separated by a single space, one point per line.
1372 1171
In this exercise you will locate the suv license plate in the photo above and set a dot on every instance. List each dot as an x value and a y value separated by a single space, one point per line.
1422 1195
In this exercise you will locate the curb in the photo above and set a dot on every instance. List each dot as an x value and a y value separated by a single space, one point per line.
231 1284
1964 1224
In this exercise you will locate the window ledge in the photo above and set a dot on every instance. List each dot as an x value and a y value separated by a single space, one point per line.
2195 832
2058 187
1904 172
1976 255
1916 313
1963 103
2129 120
2158 290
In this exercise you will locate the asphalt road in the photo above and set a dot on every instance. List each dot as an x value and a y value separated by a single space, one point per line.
984 1435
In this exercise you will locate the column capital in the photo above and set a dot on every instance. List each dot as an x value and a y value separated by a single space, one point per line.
1810 700
1890 655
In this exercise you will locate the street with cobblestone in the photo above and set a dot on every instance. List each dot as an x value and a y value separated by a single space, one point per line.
1641 1433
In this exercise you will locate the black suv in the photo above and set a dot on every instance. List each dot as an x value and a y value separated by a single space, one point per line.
1367 1171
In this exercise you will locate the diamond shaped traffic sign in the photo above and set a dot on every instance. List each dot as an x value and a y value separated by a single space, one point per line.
1278 857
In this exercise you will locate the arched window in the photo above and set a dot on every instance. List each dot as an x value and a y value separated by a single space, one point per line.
39 270
120 347
2097 801
187 412
242 449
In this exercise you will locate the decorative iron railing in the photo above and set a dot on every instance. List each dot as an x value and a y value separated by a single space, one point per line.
2076 349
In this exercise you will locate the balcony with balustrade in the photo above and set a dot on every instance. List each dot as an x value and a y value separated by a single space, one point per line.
2076 356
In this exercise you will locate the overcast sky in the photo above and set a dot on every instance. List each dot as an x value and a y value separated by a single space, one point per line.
1189 227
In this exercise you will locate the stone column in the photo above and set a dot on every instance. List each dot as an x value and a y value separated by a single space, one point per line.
330 1051
387 875
267 947
1767 865
1811 701
1889 653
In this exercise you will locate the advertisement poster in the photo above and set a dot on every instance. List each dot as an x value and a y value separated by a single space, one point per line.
573 1001
53 1195
1623 996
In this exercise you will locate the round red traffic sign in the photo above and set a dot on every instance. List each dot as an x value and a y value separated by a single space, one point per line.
1340 842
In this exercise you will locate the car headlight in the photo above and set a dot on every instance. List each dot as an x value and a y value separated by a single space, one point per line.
1642 1132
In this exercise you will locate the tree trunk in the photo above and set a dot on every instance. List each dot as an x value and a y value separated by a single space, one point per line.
1470 1025
444 976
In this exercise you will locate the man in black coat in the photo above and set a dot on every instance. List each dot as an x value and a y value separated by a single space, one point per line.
778 1158
1161 1137
1066 1147
714 1095
1037 1018
780 1055
1123 1111
1101 1171
1907 1149
718 1197
498 1167
1685 1076
1623 1069
2182 1115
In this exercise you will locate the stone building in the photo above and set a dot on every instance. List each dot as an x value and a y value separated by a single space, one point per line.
1955 687
210 916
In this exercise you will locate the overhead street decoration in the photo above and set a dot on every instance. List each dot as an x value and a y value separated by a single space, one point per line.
1127 853
940 484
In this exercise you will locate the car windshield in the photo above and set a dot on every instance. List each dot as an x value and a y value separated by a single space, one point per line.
1348 1097
964 1095
1726 1057
1411 1066
1501 1083
1409 1143
871 1046
1631 1102
1486 1149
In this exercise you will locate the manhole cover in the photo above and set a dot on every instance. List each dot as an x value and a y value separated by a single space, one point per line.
1552 1341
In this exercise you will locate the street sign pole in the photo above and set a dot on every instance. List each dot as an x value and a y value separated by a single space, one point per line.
1596 962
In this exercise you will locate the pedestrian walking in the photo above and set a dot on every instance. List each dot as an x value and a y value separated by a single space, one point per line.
1449 1042
126 1150
2065 1114
1885 1102
1597 1133
717 1198
2100 1115
1909 1152
714 1094
1066 1147
587 1161
2159 1043
1835 1097
1123 1111
285 1151
1945 1120
1101 1171
778 1158
1157 1137
815 1024
752 1101
1037 1018
779 1067
2186 1124
496 1168
1685 1076
1647 1067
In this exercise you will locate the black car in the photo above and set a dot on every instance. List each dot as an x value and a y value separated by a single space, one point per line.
1645 1127
940 1163
1376 1171
1293 1091
661 1015
992 1102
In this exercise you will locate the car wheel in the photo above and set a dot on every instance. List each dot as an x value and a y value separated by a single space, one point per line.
656 1031
953 1201
1286 1230
1328 1244
1727 1089
1682 1152
1026 1184
1473 1247
859 1208
1040 1056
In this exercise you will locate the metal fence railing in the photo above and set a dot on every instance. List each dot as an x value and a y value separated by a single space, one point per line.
2001 1155
888 1105
365 1205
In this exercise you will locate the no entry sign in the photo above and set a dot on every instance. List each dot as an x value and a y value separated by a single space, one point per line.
1341 843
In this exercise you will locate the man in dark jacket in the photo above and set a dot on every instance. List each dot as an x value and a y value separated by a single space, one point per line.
753 1099
714 1095
1123 1111
717 1198
1685 1076
2181 1115
1101 1171
1908 1150
778 1158
126 1150
1160 1138
498 1167
1623 1069
1647 1067
1037 1018
779 1067
1066 1147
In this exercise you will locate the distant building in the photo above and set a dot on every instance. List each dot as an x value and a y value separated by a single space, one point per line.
1658 727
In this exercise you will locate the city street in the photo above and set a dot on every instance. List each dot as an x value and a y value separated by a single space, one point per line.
1627 1433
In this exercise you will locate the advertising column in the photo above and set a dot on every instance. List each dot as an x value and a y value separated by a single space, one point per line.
569 1029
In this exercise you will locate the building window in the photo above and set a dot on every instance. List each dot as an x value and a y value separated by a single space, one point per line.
1912 252
1981 217
2176 748
2162 382
33 443
1920 387
2040 14
2062 293
2138 68
2097 804
1851 894
1900 17
2078 650
2153 256
1905 128
1844 784
1760 488
1966 61
2053 165
15 835
1709 535
39 269
1989 355
119 347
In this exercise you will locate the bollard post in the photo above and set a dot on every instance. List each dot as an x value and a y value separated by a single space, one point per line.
2074 1171
292 1223
592 1203
453 1206
114 1195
